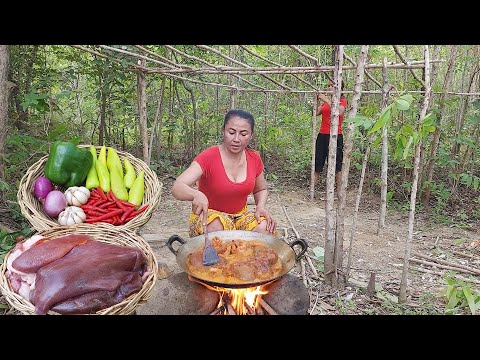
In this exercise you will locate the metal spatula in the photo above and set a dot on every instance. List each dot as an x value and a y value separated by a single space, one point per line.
210 256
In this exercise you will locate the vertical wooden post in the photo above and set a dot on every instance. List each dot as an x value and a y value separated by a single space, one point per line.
384 171
314 139
330 272
142 110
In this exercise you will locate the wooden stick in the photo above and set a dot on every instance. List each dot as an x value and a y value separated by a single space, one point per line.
290 221
440 273
304 276
309 261
250 310
436 241
259 310
448 263
371 285
216 311
230 309
267 307
315 303
440 266
460 253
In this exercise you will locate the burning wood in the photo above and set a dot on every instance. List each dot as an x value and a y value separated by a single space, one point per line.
267 307
230 309
216 311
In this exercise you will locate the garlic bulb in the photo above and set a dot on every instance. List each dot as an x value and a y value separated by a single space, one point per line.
77 195
72 215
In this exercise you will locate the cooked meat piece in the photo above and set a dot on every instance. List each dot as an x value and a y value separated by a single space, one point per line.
195 259
243 270
266 253
218 244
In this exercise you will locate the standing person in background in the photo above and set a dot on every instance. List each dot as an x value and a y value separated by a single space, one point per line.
226 175
323 137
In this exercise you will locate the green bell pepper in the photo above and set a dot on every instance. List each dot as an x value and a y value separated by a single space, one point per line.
68 164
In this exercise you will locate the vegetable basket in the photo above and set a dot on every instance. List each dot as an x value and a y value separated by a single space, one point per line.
33 211
105 233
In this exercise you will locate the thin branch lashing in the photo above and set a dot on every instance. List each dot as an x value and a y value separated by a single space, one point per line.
366 72
267 307
397 51
276 64
242 64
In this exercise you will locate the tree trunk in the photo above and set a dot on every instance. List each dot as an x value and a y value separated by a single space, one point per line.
103 104
314 139
194 140
4 63
438 130
142 111
18 93
384 170
231 82
265 125
413 196
158 115
331 275
348 146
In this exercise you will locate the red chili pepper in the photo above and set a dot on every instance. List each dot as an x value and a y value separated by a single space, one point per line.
126 203
105 205
93 213
109 215
101 193
125 215
119 204
142 209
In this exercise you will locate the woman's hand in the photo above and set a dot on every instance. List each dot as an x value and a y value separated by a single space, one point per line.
322 97
200 204
271 223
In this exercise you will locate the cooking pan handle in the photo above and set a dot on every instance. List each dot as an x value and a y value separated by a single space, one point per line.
171 240
304 246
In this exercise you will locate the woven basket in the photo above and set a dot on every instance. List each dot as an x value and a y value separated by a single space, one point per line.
102 232
32 208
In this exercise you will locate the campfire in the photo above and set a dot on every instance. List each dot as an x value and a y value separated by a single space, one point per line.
240 301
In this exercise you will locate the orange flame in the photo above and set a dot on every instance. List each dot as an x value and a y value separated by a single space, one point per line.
243 301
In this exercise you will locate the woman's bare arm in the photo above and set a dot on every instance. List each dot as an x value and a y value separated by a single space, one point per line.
182 189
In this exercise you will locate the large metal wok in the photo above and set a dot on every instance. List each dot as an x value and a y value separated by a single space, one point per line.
285 252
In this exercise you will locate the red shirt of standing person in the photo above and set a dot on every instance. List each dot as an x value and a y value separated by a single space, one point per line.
323 137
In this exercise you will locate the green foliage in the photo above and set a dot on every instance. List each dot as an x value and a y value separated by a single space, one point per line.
470 180
319 253
426 306
459 295
345 306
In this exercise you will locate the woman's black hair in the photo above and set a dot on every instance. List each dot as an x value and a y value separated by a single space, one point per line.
241 114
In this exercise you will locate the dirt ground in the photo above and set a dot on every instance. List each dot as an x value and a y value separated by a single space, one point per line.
372 254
